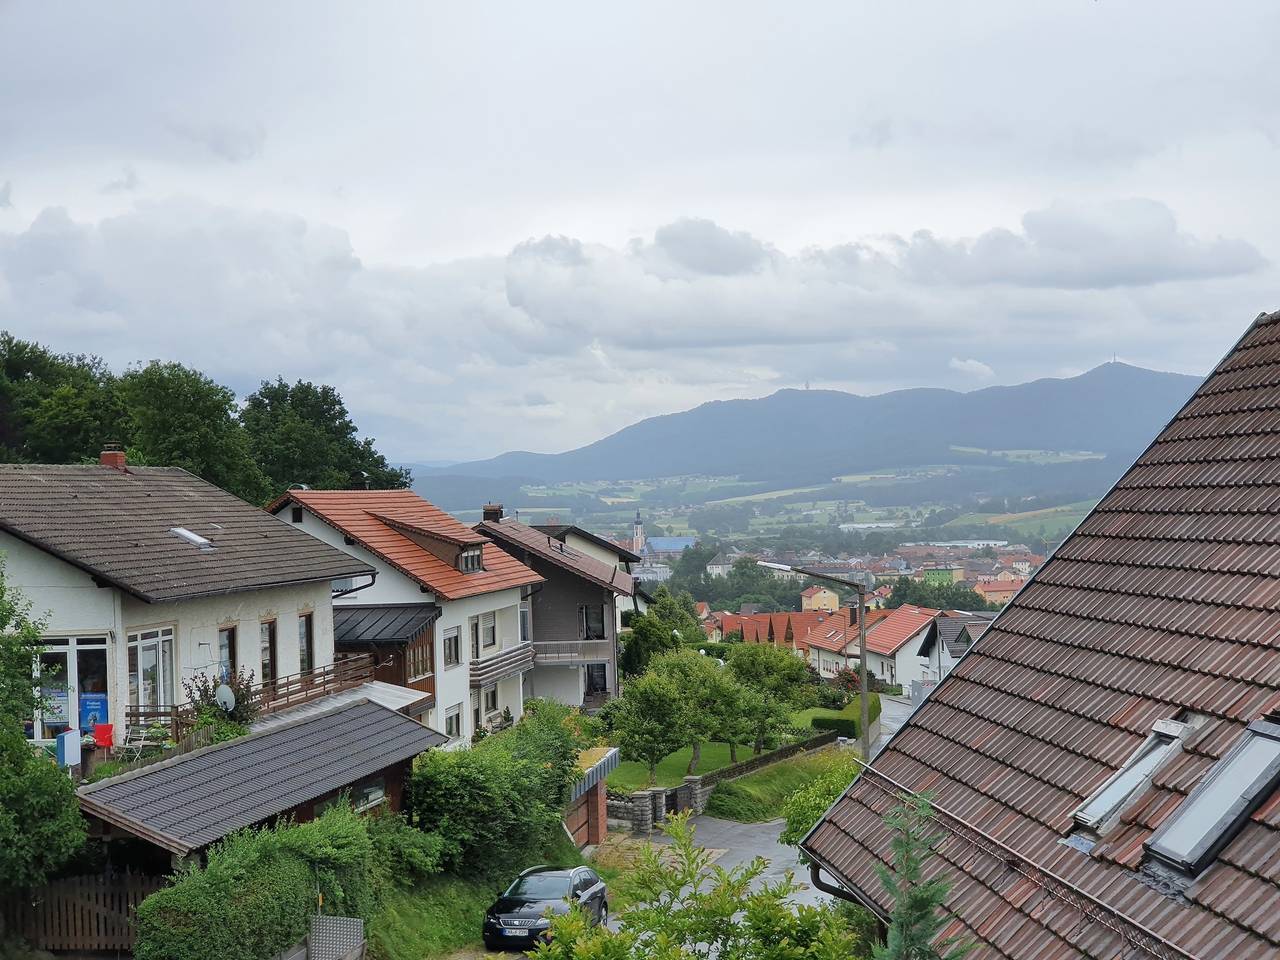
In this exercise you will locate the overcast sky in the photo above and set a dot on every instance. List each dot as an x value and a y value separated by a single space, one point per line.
526 225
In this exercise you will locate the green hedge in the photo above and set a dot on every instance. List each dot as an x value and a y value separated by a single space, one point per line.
846 722
258 892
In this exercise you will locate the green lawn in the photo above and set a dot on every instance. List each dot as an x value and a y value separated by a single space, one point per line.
759 796
631 775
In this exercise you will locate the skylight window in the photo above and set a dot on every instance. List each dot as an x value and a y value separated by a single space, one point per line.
1112 797
192 538
1215 811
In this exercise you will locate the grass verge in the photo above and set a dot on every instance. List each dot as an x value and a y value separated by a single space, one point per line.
759 796
444 914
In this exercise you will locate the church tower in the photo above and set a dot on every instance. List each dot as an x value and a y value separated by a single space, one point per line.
637 535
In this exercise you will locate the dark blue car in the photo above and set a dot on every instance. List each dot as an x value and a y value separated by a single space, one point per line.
520 917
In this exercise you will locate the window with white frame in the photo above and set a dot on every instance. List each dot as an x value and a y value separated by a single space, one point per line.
452 647
491 699
526 623
453 722
471 559
488 630
151 673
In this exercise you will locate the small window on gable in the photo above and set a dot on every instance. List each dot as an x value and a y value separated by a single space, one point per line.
1114 795
469 560
295 514
1217 808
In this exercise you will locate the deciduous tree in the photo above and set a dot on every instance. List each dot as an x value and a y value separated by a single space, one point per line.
650 721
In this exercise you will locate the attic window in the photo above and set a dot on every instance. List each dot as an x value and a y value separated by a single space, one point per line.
1217 808
1112 797
470 560
192 538
295 514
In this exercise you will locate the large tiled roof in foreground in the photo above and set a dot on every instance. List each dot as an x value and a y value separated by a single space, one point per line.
117 525
1165 599
384 522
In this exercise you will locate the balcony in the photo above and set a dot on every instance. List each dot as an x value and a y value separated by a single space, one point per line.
510 662
271 697
569 652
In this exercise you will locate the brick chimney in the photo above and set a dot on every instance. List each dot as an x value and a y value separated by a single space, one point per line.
112 456
493 511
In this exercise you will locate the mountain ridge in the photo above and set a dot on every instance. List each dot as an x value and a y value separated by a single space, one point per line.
901 428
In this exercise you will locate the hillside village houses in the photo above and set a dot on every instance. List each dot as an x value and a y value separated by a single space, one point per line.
148 576
144 578
477 648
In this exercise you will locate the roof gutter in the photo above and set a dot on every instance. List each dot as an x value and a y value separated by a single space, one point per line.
849 896
364 586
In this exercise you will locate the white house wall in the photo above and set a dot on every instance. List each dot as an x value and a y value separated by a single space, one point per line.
62 595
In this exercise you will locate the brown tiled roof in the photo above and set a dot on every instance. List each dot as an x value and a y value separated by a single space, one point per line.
562 530
519 537
360 514
1166 598
117 526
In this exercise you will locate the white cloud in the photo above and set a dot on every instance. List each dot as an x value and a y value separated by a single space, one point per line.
973 368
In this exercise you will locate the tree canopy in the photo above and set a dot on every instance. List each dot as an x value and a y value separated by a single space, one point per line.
950 597
666 625
63 408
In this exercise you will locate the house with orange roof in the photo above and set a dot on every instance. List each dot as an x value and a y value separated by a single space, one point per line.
445 611
819 598
998 591
831 644
894 642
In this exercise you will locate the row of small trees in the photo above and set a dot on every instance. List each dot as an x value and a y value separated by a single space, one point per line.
686 699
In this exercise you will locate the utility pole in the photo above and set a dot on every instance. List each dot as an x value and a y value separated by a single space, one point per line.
863 691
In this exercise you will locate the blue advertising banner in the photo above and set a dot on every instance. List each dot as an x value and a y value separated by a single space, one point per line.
93 710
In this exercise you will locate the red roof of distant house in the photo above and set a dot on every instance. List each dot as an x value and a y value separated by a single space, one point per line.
840 630
897 628
384 522
702 608
812 591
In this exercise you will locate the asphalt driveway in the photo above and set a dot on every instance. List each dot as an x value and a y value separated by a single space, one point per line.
893 714
742 842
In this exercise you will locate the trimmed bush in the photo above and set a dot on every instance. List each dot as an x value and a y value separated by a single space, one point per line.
845 723
258 892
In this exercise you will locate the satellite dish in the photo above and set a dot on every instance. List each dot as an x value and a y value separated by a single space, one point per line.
226 697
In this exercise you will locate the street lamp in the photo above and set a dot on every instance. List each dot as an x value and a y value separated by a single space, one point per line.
862 641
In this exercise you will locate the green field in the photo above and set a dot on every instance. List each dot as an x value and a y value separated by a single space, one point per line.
1055 520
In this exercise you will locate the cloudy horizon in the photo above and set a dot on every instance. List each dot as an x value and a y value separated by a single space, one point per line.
529 228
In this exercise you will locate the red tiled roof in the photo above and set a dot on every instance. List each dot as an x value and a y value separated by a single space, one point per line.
811 591
998 586
897 628
526 541
837 632
379 519
1166 598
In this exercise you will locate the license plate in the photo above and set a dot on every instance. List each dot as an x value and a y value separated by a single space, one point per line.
516 933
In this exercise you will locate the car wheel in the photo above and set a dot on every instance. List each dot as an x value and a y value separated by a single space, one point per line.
604 913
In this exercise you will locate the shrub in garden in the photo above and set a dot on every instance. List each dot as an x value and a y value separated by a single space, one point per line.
806 805
259 889
833 698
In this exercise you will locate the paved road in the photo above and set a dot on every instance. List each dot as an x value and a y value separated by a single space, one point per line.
741 842
893 714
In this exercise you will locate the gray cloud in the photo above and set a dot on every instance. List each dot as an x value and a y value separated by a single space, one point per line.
127 182
231 142
6 194
563 339
701 246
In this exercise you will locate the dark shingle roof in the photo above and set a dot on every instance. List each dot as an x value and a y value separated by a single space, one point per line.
116 525
387 623
191 801
950 630
517 536
1166 598
561 530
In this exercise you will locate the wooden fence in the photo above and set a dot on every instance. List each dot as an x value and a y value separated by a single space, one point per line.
79 913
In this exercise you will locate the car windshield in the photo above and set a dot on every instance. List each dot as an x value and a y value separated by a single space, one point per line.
540 886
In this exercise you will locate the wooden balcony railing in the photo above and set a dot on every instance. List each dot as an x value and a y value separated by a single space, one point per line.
270 697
